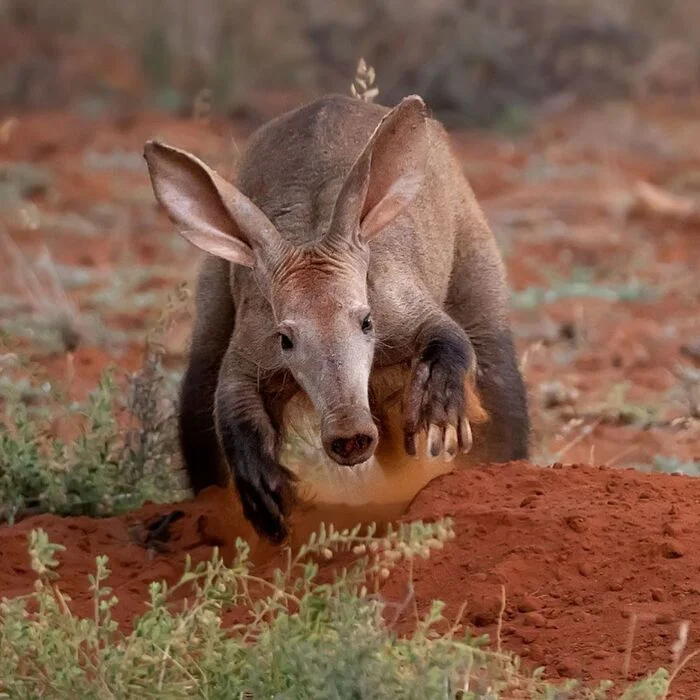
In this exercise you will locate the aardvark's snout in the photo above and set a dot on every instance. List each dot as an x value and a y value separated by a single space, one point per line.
350 438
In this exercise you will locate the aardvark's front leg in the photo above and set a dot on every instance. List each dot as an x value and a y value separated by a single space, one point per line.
434 397
248 440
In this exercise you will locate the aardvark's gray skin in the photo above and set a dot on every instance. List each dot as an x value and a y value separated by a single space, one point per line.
350 242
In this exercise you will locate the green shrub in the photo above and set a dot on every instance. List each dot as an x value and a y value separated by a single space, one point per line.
106 469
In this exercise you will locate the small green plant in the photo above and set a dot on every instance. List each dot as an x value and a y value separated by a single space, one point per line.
126 449
22 479
581 283
617 409
104 470
669 465
149 446
295 636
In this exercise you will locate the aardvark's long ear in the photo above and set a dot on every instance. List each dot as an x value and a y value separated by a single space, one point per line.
387 175
209 211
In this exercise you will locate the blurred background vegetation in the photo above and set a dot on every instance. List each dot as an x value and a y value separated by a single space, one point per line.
483 62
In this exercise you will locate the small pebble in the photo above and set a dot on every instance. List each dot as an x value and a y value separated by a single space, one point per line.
527 635
657 594
585 569
528 604
577 523
484 618
672 549
672 530
535 619
569 668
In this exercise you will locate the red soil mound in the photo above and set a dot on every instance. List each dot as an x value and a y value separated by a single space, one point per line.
584 554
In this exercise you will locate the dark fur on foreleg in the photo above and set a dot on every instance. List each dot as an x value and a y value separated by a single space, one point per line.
210 339
434 399
504 397
249 443
198 440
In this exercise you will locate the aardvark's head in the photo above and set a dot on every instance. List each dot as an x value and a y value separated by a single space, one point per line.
318 293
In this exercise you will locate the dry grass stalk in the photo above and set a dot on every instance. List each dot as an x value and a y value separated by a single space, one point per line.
43 290
7 128
363 87
501 613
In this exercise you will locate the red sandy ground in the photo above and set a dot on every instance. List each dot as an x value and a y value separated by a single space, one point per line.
580 551
583 553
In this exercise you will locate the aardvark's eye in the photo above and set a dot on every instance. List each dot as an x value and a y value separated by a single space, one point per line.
367 323
286 342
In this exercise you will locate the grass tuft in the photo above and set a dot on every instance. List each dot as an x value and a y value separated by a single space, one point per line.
104 470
